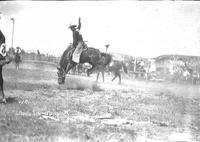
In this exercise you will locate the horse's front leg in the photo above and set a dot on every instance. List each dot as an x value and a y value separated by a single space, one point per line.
69 67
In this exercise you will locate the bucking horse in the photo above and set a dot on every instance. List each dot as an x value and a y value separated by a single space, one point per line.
90 55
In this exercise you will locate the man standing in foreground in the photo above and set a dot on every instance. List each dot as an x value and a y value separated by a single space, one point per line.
3 60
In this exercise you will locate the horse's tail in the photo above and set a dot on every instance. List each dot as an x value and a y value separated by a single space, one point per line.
124 68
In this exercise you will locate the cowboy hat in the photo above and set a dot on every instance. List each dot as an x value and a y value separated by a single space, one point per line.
72 26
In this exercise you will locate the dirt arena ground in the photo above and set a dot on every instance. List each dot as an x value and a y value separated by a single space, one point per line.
39 110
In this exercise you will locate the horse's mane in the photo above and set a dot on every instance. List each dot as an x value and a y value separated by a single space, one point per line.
64 55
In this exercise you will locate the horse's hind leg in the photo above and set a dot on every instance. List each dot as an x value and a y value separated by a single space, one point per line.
119 75
114 77
102 75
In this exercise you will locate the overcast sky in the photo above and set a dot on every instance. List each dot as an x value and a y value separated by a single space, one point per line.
145 29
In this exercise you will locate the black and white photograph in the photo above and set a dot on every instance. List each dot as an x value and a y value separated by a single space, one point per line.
99 71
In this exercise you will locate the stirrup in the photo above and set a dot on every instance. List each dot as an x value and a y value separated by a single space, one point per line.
85 48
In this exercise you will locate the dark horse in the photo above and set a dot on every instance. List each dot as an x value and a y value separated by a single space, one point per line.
90 55
105 61
116 67
3 60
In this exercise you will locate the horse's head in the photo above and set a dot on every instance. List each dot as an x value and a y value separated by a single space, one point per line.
61 75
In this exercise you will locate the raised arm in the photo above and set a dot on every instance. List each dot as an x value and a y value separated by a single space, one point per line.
2 37
79 23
